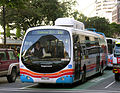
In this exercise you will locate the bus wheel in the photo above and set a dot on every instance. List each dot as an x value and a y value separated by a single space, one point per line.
117 76
12 77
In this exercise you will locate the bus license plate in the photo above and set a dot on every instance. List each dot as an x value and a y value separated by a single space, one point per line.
45 78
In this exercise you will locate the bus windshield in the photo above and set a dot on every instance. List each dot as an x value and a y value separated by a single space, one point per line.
46 48
117 50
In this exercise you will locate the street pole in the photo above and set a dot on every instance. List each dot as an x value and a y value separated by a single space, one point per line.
4 23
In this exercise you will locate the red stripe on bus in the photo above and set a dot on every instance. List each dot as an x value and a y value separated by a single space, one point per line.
57 73
39 76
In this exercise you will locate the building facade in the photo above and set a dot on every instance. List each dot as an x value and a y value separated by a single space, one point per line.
116 13
104 8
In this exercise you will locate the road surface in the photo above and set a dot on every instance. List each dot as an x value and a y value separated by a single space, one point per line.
96 84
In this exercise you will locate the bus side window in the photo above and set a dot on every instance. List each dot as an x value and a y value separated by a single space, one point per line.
75 45
87 41
96 41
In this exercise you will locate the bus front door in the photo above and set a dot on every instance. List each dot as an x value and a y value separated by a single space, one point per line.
77 60
98 59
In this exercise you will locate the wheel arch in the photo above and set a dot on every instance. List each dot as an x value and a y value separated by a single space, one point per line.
13 65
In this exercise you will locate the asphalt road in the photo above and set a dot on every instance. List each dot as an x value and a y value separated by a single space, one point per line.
96 84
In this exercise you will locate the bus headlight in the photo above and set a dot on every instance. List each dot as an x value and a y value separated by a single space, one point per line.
28 77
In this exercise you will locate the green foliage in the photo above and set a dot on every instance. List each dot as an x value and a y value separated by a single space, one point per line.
114 30
79 16
8 31
36 12
30 13
13 3
18 32
9 5
101 24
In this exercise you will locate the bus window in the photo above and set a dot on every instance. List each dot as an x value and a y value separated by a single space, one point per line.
87 41
117 50
96 41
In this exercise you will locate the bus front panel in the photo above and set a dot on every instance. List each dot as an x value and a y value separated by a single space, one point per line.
46 56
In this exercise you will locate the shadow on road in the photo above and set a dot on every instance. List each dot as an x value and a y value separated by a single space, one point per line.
56 86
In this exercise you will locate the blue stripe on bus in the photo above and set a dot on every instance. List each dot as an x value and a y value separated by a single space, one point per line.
25 78
91 70
65 79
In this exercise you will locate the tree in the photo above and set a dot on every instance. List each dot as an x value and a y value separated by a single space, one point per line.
79 16
38 12
101 24
18 32
5 4
7 31
114 30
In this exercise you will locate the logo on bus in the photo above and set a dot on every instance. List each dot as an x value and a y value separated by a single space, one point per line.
69 66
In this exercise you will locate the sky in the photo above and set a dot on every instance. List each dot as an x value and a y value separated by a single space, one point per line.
87 7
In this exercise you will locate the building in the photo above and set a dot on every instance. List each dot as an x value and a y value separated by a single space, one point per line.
116 13
104 8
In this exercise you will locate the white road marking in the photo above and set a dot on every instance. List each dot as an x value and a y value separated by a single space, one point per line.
28 86
97 79
110 84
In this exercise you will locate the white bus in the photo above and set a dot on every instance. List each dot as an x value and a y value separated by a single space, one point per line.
67 53
111 44
116 61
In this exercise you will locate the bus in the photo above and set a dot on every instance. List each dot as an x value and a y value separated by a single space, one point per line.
67 53
111 44
116 61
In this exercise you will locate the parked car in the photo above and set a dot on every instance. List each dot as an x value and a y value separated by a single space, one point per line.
9 65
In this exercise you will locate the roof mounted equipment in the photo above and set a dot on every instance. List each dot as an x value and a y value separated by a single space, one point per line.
69 22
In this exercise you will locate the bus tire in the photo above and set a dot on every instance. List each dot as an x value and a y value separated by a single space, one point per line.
117 77
12 77
84 74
